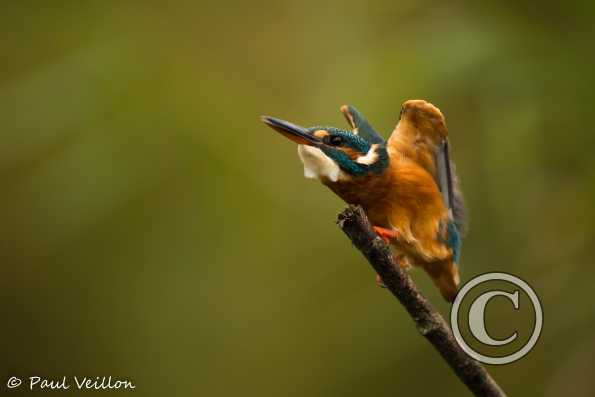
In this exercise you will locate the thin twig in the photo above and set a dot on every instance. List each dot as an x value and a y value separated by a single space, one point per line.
354 222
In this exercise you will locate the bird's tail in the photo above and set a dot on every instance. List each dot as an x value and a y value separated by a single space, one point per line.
445 276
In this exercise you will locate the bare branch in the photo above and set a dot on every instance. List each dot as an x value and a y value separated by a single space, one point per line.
354 222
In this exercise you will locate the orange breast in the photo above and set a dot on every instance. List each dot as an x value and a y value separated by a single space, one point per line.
404 197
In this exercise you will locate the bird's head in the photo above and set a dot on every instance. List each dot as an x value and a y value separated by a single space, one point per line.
331 153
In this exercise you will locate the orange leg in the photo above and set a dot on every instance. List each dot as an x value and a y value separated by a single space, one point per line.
379 282
386 234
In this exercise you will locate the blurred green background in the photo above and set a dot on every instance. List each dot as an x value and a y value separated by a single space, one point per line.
153 229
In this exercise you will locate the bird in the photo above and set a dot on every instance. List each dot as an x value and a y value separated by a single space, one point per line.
407 184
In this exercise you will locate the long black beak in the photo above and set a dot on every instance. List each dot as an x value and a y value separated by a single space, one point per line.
294 132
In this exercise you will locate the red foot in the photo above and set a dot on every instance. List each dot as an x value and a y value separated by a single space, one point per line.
379 282
386 234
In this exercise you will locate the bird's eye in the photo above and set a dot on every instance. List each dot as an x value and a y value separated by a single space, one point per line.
335 140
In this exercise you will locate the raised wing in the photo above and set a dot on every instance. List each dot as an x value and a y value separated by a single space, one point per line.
360 125
444 174
449 186
422 136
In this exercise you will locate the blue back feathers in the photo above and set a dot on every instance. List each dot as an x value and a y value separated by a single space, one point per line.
453 240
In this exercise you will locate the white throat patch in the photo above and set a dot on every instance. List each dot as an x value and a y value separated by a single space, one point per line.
318 165
370 158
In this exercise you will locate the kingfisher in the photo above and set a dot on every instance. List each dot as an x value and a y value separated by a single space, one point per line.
406 185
